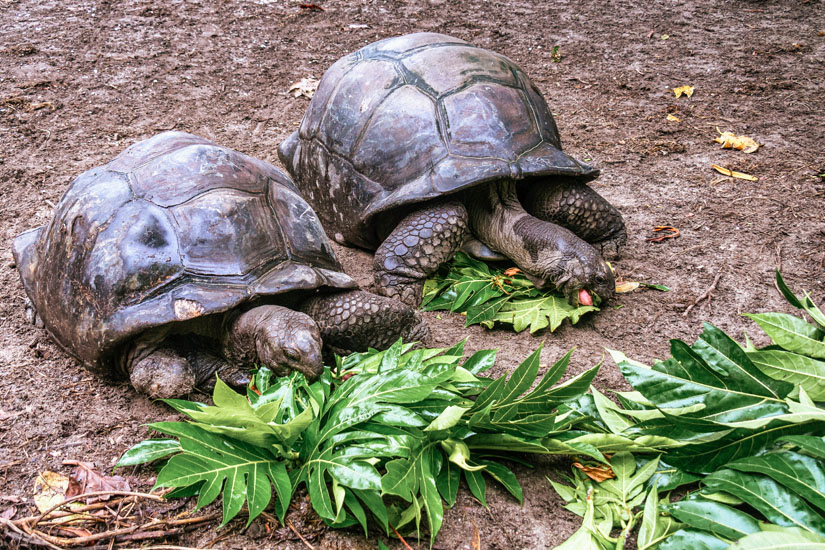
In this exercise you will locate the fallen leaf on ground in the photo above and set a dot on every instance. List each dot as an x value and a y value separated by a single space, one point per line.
672 233
305 87
626 286
673 118
50 490
596 473
87 480
311 7
8 513
729 140
731 173
687 90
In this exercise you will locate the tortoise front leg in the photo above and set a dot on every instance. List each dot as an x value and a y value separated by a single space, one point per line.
356 320
415 249
575 206
158 370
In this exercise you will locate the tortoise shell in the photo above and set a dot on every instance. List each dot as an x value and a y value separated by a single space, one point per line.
415 117
174 228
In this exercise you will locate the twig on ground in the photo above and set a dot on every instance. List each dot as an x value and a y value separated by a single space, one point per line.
300 536
708 293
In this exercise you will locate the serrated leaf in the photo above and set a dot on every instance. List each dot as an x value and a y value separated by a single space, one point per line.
243 472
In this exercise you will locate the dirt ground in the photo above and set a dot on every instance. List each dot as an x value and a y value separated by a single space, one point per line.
82 80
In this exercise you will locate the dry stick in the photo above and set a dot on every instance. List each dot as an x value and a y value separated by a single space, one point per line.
94 494
35 540
707 294
294 530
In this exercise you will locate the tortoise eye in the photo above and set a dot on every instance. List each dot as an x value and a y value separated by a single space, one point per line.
292 354
600 279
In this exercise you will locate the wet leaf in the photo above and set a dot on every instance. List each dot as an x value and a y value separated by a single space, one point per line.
729 140
733 174
50 489
687 90
305 87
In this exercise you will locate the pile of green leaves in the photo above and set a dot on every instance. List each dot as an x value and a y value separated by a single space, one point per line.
391 434
747 424
487 296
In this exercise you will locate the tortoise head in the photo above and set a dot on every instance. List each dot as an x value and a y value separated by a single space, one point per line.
290 341
557 258
578 273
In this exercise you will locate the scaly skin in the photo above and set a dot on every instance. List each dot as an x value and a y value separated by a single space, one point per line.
572 204
356 320
418 245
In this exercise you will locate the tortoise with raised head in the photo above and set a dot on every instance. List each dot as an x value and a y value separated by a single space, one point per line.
180 258
421 144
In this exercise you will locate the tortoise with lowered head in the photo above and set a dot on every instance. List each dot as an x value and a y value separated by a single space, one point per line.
180 258
421 144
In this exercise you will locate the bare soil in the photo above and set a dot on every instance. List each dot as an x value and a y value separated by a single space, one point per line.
82 80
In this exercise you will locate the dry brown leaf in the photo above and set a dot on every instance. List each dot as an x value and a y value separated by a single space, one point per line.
673 118
305 87
596 473
729 140
510 271
87 480
731 173
687 90
626 286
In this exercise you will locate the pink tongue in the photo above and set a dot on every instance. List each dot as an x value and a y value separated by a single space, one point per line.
584 298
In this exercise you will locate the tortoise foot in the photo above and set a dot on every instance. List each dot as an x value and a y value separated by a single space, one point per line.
163 374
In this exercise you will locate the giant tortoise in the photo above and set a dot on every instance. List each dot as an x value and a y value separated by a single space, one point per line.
180 258
416 144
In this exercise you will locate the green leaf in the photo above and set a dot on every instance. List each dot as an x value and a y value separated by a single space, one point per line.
774 501
772 540
801 474
477 485
692 539
791 367
802 303
813 445
722 521
792 333
242 471
148 451
447 482
448 418
480 361
505 476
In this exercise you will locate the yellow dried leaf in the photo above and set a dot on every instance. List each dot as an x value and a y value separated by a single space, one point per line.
687 90
596 473
49 490
729 140
305 87
733 174
626 286
673 118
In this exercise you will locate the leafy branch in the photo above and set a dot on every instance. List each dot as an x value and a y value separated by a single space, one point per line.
488 296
